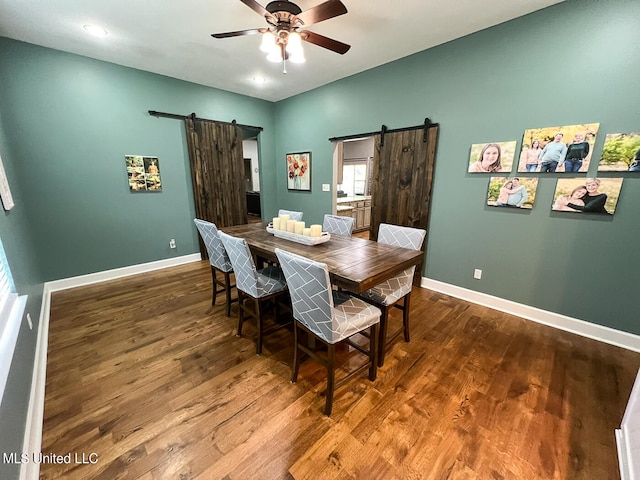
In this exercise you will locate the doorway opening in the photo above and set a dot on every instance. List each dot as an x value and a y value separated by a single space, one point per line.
252 178
353 167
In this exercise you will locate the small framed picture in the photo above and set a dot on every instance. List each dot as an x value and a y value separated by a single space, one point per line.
621 153
299 171
512 192
491 157
587 195
143 173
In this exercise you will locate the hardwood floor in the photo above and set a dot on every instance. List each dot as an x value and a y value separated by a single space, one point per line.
145 374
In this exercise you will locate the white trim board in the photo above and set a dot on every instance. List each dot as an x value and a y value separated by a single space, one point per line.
556 320
35 415
97 277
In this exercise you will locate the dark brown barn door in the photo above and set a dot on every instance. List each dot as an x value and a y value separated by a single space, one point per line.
403 163
217 171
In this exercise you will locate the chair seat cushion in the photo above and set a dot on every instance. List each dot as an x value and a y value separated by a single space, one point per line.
270 280
392 290
351 315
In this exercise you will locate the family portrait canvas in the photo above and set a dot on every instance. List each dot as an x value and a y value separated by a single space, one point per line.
567 148
512 192
621 153
587 195
492 157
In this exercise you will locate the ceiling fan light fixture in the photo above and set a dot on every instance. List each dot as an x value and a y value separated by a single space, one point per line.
275 55
294 43
268 42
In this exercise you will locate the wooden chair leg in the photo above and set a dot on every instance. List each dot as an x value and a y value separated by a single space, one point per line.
331 357
382 343
227 288
373 352
258 312
405 316
296 354
240 312
214 285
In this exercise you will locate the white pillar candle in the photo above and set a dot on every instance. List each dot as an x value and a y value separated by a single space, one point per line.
316 230
306 231
283 221
299 227
291 226
276 223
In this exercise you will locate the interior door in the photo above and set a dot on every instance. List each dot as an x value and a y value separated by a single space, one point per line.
217 171
402 178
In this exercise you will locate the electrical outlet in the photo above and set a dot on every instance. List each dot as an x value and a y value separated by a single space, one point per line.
172 243
326 187
477 274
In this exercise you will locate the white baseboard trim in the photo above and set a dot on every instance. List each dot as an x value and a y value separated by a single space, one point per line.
33 429
562 322
98 277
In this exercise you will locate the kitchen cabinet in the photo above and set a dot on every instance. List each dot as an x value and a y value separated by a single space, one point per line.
359 208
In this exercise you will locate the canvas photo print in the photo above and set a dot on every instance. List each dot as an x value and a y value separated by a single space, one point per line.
492 157
587 195
567 148
512 192
621 153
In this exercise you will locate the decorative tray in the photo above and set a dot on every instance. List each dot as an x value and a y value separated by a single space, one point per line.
304 239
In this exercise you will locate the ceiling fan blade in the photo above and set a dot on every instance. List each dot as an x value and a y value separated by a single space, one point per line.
325 42
256 7
324 11
239 33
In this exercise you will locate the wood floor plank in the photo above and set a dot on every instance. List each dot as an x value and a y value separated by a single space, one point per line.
145 373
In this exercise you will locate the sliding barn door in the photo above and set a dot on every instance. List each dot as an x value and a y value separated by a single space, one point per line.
217 171
402 177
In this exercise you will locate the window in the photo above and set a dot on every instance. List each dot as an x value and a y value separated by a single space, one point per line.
354 178
11 309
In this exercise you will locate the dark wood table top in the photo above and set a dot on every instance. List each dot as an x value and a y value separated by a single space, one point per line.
355 264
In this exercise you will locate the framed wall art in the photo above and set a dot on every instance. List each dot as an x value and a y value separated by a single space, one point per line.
491 157
587 195
299 171
143 173
558 149
512 192
621 153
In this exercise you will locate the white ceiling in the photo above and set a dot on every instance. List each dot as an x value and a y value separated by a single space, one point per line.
173 37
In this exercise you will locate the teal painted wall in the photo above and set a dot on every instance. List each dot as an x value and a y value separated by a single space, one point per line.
576 62
71 121
15 233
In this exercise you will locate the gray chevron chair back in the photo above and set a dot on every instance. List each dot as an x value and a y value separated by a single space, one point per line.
297 216
217 254
405 237
390 291
330 314
337 224
257 283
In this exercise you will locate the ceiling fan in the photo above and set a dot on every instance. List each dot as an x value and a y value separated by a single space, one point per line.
282 38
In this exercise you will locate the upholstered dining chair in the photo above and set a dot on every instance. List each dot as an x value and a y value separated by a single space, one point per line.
328 315
389 294
293 215
219 261
337 224
260 286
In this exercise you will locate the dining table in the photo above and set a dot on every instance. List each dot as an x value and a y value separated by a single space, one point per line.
354 264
